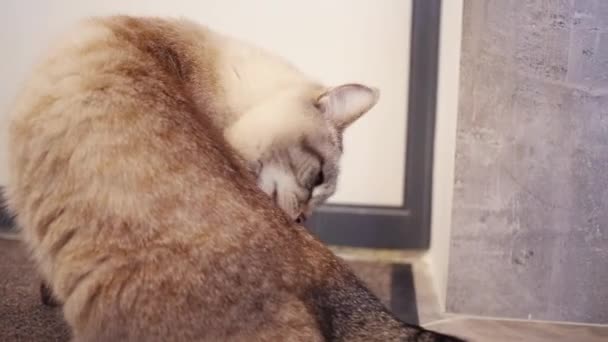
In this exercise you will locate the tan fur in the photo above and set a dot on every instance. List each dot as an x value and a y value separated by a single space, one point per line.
143 218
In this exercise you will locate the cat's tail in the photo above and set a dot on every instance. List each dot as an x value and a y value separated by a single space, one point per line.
348 311
7 219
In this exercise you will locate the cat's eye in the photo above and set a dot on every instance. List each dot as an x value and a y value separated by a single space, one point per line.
319 179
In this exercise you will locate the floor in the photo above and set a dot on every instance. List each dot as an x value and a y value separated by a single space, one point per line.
494 330
22 316
474 329
404 287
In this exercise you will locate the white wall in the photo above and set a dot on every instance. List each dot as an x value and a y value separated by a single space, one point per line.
445 142
336 41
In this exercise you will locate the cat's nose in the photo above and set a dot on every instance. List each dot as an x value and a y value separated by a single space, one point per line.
301 218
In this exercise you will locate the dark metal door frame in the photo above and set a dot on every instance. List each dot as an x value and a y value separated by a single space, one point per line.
407 226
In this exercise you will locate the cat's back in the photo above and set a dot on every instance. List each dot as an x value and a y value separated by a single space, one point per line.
108 58
105 126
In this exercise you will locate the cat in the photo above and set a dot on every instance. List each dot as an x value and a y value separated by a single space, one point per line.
266 108
158 171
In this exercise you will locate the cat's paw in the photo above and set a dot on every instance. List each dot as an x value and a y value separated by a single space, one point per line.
47 297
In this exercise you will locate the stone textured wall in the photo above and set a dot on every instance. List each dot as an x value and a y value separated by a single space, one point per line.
530 213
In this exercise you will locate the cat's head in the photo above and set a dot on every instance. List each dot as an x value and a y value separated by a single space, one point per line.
294 142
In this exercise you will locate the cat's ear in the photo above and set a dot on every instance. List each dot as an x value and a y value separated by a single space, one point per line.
344 104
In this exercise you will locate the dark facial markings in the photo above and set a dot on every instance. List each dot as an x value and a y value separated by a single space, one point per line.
319 177
310 149
340 142
275 194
